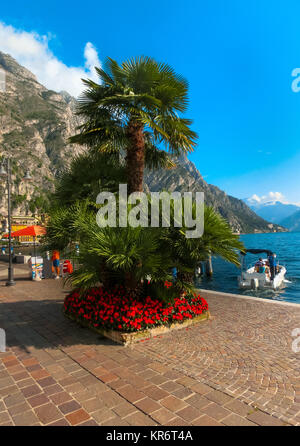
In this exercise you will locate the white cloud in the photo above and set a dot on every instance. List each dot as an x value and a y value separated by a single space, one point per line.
271 196
32 51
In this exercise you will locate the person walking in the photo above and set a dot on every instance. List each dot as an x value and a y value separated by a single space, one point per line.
55 264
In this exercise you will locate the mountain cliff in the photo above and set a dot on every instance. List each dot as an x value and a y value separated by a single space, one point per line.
186 177
292 222
35 124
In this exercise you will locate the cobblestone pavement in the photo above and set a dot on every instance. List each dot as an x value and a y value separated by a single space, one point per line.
245 351
56 373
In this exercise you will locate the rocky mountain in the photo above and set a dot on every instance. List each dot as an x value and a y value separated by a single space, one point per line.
186 177
35 124
273 211
292 222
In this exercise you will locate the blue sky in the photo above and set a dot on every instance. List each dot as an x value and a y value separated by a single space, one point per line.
238 57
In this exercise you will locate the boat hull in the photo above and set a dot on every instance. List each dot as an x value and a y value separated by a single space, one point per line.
250 279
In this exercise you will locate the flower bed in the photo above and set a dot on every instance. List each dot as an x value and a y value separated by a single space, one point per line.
118 311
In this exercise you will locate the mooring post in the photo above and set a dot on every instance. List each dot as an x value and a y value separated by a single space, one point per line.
208 267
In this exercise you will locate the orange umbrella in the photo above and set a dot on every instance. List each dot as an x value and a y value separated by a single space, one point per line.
33 230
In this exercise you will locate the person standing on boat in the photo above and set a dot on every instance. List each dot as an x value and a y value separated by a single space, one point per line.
272 264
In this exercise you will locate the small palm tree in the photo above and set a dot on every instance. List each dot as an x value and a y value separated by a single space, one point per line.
125 256
133 111
107 255
217 240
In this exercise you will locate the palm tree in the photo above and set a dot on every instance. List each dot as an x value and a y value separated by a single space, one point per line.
133 111
88 174
217 240
108 255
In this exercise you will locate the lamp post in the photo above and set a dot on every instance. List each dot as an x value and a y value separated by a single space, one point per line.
7 173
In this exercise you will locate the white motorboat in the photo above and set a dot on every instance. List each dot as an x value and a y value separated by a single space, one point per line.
251 279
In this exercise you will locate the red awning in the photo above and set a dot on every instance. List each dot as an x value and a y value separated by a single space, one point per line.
34 230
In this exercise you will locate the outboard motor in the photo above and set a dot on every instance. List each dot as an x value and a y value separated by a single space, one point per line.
254 284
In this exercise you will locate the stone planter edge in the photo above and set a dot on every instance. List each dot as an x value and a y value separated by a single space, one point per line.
137 336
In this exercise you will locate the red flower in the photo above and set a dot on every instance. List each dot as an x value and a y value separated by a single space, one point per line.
118 310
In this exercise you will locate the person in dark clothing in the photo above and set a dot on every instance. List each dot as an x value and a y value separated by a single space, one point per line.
273 264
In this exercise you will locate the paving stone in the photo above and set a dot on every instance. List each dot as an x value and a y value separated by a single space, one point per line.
205 420
21 375
126 408
131 394
155 393
6 382
31 390
13 400
197 401
148 405
51 390
4 418
25 383
112 399
60 422
173 403
162 415
238 407
108 377
77 417
218 397
183 393
47 413
84 395
139 419
93 404
25 419
89 423
102 415
189 413
69 407
235 420
46 382
38 400
264 419
201 388
215 411
38 374
116 421
59 398
19 408
171 386
177 421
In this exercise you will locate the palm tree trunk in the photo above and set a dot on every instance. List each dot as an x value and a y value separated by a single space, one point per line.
135 158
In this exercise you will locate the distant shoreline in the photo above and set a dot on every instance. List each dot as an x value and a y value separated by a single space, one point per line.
261 232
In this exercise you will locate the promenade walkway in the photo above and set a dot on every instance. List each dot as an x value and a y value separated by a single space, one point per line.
237 369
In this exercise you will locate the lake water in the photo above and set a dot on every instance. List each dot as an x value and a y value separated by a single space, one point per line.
287 247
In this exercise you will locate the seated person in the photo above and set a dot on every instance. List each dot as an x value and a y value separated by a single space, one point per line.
259 264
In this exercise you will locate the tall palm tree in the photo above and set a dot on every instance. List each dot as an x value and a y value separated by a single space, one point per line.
86 175
135 109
